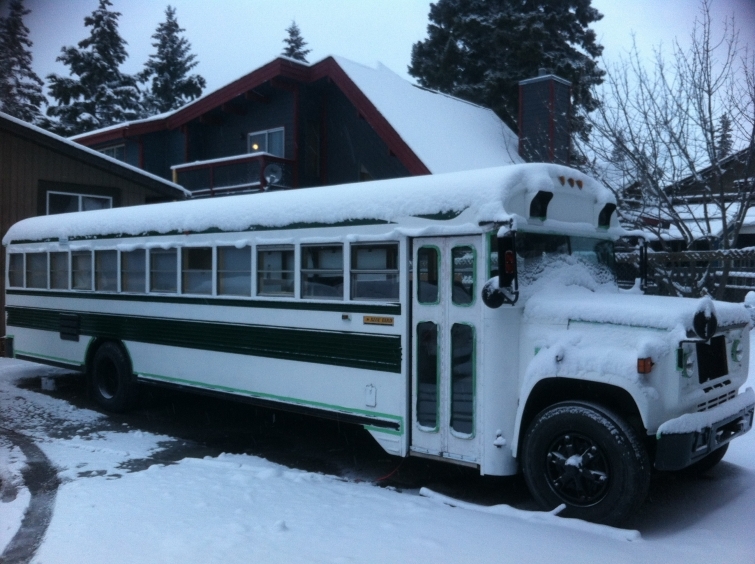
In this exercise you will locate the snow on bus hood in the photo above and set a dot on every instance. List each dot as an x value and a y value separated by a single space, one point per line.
577 303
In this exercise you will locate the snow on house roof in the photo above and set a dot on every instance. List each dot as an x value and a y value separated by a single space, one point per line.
487 195
97 154
446 133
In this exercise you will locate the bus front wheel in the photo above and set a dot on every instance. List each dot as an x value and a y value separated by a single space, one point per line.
112 381
586 457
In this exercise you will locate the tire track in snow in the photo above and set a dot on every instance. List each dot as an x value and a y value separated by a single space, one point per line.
41 478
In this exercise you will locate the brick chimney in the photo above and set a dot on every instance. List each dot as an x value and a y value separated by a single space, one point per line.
544 106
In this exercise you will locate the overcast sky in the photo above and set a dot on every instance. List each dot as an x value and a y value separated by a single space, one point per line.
234 37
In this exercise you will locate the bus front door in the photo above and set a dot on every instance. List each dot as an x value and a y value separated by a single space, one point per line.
445 313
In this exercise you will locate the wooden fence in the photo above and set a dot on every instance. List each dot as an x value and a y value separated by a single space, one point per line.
692 273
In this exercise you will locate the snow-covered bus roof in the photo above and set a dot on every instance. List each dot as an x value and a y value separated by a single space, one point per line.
460 198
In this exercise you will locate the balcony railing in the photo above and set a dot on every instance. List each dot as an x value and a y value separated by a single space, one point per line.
251 172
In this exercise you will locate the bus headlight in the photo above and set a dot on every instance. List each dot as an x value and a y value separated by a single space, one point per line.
737 350
685 362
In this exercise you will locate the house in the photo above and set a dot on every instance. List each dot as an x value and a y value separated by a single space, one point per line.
42 173
294 125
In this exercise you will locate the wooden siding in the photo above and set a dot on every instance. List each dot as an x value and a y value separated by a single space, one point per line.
25 163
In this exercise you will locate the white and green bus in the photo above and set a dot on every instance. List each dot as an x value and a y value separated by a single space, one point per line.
471 318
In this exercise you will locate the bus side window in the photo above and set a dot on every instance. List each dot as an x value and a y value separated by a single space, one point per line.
428 263
81 270
16 270
462 378
163 270
59 271
36 270
234 271
275 271
106 271
322 271
196 270
427 374
134 271
462 289
374 272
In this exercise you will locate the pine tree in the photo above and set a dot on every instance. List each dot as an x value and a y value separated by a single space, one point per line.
101 95
295 44
479 50
168 69
724 139
20 87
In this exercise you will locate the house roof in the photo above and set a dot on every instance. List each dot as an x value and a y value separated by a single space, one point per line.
93 158
429 132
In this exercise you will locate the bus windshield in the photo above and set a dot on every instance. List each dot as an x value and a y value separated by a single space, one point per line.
538 252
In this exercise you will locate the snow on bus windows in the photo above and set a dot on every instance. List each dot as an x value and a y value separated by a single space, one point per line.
374 272
196 270
275 271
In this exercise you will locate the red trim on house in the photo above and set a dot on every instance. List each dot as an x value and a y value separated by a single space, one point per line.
280 69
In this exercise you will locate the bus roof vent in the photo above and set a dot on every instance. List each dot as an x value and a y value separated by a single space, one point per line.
539 204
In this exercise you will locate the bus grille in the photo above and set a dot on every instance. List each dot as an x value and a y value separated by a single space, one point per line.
705 406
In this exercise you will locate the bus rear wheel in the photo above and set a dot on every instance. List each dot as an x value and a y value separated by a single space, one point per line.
583 455
112 381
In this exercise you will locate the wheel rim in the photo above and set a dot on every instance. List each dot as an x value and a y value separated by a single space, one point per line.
107 378
577 469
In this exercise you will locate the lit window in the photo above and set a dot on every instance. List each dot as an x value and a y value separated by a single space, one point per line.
269 141
63 202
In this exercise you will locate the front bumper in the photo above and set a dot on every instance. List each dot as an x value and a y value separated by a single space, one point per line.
691 437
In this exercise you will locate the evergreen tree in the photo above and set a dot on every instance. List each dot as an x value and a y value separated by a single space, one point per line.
168 69
20 87
295 44
479 50
101 95
724 139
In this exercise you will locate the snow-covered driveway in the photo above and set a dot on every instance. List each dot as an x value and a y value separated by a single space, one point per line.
240 508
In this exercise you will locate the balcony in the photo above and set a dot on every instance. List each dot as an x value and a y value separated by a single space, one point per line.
252 172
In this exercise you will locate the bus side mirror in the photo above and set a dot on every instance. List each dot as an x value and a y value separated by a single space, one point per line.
505 290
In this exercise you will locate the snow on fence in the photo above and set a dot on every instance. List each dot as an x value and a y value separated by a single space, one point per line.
691 273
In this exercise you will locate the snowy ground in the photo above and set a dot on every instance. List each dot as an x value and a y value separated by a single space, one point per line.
239 508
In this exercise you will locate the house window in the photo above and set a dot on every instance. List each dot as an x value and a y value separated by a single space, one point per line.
117 152
64 202
269 141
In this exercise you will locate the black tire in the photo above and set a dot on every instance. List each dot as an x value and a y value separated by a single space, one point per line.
112 381
705 463
588 458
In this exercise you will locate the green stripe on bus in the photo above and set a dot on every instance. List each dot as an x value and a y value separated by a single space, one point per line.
213 230
386 309
285 399
337 348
